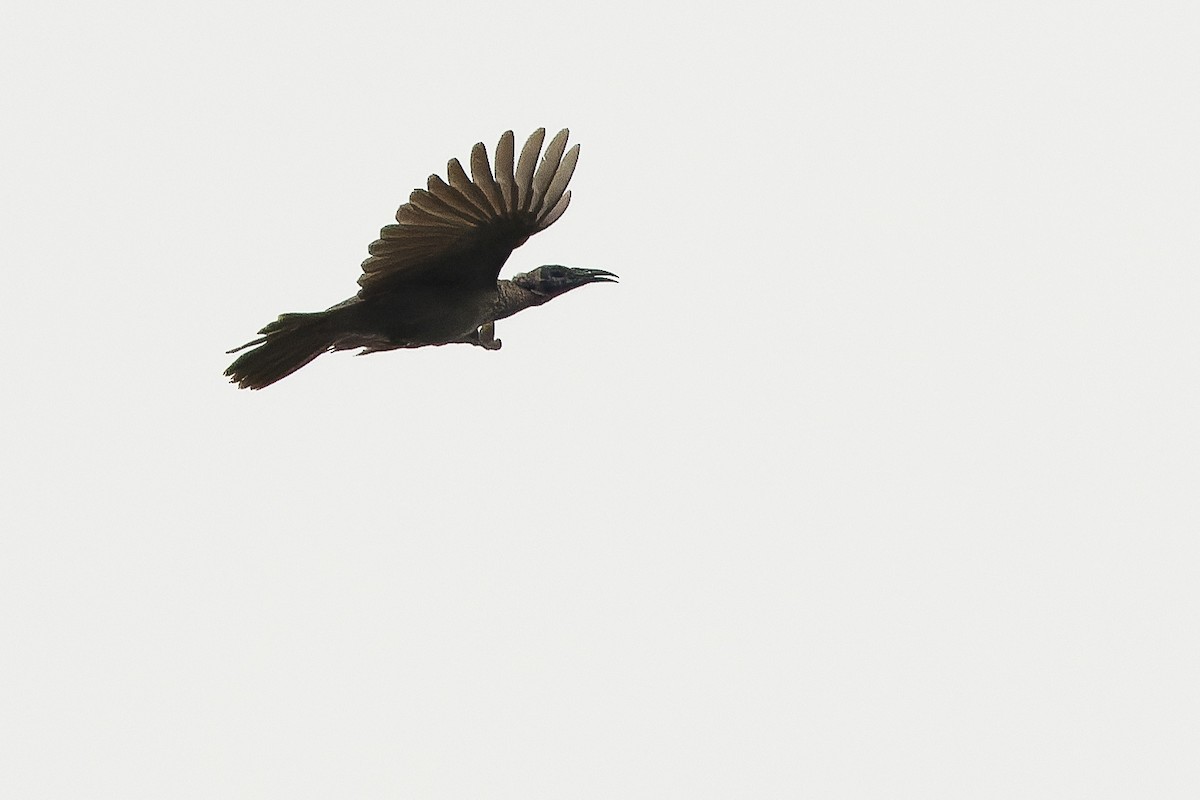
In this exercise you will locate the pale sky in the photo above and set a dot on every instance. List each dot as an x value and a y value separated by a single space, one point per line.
875 477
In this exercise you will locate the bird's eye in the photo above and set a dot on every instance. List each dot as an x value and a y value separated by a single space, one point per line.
556 273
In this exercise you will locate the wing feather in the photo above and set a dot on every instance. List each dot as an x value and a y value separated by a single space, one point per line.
448 195
546 170
435 206
559 208
525 165
463 185
504 171
481 173
559 185
412 214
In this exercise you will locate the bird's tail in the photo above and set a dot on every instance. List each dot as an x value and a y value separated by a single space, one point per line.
287 344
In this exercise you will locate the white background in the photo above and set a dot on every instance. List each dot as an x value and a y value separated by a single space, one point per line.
874 477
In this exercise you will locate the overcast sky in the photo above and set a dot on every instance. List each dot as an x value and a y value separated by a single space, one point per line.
876 475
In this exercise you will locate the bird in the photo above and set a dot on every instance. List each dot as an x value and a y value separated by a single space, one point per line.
432 278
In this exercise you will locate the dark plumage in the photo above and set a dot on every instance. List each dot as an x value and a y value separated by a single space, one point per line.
433 278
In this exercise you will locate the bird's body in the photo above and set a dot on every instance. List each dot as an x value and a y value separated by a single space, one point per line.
432 279
421 315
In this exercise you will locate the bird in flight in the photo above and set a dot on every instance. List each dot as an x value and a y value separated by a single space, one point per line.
433 277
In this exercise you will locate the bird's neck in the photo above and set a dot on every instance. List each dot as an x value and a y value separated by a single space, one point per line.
511 298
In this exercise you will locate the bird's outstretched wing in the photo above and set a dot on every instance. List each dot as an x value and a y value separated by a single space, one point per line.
461 232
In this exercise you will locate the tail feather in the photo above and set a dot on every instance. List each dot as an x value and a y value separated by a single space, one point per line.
289 343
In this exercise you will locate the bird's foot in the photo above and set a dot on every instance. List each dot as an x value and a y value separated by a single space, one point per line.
485 337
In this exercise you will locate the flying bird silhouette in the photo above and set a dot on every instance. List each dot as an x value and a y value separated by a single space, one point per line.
433 277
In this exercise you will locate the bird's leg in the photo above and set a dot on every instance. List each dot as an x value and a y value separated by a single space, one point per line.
485 337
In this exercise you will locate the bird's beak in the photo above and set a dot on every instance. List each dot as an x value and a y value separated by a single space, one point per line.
595 276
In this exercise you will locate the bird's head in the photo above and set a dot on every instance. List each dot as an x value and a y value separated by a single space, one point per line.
552 280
